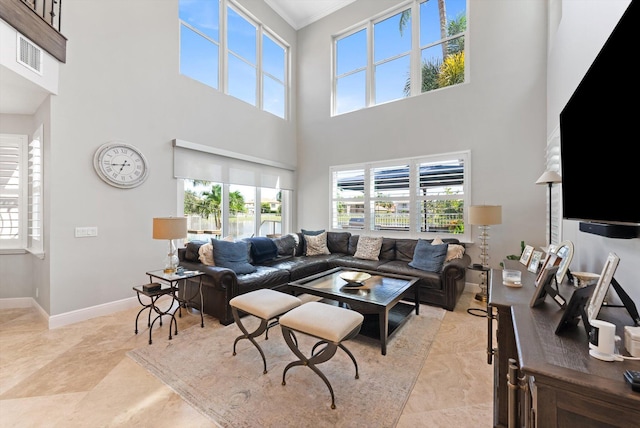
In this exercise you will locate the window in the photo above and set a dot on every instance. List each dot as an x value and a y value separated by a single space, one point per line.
231 194
254 65
200 41
13 192
217 210
414 196
408 51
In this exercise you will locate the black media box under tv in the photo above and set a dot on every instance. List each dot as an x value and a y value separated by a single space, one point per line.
620 231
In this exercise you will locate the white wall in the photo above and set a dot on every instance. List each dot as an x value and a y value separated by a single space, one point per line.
499 115
121 81
583 28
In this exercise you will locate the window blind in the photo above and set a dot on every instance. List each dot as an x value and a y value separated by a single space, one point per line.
35 192
194 161
13 191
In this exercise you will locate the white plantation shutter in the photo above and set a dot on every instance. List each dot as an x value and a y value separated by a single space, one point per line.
13 192
35 242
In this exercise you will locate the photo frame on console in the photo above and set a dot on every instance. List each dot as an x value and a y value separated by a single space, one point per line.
564 250
551 259
544 287
526 255
534 263
602 286
576 310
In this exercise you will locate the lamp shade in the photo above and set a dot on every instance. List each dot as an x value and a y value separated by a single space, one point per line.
549 177
484 215
169 227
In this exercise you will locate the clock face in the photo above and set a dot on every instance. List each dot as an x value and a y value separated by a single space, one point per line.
121 165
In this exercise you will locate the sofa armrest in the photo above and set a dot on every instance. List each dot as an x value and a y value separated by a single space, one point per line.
221 278
456 269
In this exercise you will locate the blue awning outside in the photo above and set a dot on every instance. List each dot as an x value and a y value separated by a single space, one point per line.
389 179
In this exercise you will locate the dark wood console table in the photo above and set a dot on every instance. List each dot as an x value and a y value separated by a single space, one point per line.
551 379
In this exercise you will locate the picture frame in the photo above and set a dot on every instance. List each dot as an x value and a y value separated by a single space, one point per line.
545 287
526 255
551 259
575 310
564 250
602 286
534 262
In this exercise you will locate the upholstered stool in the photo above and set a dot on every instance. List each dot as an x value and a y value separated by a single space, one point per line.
265 304
331 324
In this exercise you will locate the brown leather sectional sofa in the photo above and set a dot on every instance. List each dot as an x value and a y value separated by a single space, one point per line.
221 284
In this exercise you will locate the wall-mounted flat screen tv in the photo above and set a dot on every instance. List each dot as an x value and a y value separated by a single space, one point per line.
600 134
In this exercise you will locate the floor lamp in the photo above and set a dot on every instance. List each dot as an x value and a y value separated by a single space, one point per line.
484 216
549 177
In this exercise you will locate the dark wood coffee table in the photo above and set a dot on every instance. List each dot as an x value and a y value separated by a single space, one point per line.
378 298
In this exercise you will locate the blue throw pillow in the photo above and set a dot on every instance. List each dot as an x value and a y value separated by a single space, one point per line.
427 256
232 255
312 232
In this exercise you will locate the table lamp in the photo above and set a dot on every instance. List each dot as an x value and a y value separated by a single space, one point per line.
170 228
484 216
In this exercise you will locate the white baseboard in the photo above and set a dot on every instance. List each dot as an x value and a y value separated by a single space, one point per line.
72 317
16 303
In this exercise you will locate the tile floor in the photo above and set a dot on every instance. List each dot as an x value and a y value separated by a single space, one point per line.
79 375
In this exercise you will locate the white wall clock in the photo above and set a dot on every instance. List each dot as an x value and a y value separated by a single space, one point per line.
121 165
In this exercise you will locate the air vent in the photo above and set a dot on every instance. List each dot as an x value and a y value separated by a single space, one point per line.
29 55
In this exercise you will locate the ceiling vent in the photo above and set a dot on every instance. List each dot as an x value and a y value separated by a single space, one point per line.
29 55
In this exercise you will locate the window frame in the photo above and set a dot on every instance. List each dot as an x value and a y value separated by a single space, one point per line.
368 198
415 71
224 54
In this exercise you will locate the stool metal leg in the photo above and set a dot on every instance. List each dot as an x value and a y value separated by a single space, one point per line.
261 329
341 346
323 355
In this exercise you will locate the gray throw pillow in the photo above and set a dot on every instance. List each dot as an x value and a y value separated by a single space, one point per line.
191 253
429 257
286 245
316 245
232 255
368 248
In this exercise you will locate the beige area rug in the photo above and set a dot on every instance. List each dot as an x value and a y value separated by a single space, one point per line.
232 390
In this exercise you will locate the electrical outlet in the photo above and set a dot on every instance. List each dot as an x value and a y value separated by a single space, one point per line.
84 232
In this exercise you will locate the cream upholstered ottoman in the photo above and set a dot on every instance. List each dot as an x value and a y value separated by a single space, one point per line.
331 324
265 304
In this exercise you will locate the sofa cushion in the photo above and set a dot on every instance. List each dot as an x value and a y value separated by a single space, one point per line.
454 251
429 257
232 255
316 245
368 248
205 254
286 245
405 248
262 249
191 252
338 242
